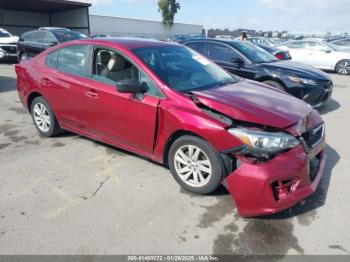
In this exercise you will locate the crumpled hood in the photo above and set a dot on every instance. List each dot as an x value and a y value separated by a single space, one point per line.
299 69
255 102
9 40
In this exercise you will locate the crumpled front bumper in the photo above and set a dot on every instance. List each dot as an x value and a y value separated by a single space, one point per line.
251 185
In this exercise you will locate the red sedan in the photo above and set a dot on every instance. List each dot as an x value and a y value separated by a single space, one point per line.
172 105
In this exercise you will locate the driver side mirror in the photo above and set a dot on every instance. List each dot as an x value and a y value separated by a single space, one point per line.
131 86
327 51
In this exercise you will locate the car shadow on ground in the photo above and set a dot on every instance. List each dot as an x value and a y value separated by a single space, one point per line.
318 199
331 106
7 84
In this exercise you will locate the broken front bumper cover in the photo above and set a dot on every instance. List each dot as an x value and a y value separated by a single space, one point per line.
278 184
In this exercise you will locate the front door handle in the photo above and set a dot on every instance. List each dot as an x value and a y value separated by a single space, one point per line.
91 94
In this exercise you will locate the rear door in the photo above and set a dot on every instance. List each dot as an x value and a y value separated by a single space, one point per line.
63 81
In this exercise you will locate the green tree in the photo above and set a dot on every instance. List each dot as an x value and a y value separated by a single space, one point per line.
168 9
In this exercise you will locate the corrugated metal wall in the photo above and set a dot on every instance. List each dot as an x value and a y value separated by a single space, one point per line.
117 26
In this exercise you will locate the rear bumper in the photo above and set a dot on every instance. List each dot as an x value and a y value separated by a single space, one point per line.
251 185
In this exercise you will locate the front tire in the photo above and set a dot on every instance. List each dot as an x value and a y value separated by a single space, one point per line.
195 165
343 67
43 117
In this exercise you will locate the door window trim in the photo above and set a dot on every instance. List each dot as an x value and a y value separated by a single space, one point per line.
90 70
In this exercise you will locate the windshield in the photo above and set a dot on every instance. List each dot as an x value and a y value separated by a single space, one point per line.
64 36
4 34
254 53
183 69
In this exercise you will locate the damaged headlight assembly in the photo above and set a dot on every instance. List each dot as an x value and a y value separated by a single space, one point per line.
262 144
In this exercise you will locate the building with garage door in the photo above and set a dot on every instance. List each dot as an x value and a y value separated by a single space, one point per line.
19 16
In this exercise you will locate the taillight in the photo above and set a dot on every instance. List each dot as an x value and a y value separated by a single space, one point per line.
279 56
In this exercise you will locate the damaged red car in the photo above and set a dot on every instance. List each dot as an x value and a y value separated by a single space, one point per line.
172 105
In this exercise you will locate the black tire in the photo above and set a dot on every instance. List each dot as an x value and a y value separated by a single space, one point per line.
274 84
54 128
217 166
343 67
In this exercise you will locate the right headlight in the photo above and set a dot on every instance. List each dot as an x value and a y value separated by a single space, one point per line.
264 142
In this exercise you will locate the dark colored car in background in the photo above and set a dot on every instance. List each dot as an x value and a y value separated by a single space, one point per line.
34 42
247 60
176 107
279 54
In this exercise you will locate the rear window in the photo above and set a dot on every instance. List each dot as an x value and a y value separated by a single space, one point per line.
64 36
52 59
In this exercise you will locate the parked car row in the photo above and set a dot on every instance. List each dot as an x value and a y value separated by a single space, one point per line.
8 45
320 54
33 42
246 60
170 104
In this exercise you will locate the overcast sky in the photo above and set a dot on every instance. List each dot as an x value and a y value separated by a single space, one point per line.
296 16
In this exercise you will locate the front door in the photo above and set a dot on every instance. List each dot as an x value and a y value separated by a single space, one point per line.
128 120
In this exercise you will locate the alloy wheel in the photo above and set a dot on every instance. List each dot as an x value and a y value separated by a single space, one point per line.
193 166
42 117
344 68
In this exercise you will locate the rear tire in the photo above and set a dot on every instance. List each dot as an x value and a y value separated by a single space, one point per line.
195 165
275 84
343 67
43 117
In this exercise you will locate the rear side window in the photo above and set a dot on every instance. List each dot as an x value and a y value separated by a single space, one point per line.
297 45
197 46
27 36
52 59
74 59
219 52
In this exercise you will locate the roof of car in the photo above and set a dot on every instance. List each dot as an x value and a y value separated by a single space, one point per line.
130 42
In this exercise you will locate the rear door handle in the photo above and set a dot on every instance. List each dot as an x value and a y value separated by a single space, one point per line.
91 94
46 81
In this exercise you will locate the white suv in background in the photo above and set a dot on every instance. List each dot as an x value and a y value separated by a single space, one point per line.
319 54
8 45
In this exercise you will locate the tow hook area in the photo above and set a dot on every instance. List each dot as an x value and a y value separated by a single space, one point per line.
281 189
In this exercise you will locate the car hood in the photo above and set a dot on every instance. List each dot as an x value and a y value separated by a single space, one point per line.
298 69
254 102
9 40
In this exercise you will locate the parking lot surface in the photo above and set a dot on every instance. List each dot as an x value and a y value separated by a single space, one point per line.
72 195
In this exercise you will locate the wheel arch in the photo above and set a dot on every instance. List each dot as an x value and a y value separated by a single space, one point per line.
172 138
30 99
271 78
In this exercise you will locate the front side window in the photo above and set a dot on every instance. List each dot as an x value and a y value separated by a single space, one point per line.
254 53
219 52
110 67
73 59
313 46
183 69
